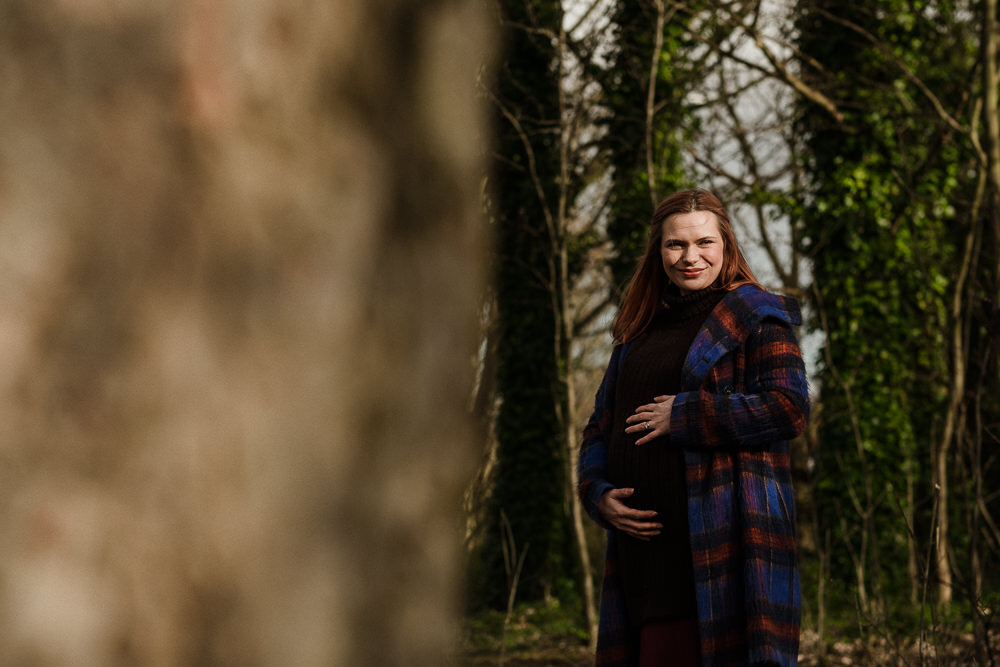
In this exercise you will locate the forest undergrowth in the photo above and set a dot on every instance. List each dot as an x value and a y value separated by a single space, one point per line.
549 636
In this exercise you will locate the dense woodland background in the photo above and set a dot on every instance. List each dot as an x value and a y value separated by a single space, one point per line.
251 352
857 144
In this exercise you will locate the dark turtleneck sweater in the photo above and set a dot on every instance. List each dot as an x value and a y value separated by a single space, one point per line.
657 575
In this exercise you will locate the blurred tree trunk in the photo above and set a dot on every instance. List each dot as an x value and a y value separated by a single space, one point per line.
241 259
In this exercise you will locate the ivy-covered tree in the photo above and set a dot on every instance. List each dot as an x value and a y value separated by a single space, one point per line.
526 511
649 73
890 207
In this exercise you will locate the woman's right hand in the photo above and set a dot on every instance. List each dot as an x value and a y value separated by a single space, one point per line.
637 523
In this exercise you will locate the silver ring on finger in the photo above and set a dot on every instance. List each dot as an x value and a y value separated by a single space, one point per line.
647 426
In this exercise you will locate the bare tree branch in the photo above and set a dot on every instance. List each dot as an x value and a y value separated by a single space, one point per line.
780 70
739 132
903 67
654 71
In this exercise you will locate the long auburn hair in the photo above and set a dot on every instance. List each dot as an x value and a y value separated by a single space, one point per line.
645 289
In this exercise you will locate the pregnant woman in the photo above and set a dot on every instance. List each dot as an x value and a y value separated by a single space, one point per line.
685 460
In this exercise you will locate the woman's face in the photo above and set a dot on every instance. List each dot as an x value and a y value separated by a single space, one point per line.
692 250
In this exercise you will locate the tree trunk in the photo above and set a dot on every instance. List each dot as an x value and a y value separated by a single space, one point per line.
991 109
990 45
572 435
241 264
942 563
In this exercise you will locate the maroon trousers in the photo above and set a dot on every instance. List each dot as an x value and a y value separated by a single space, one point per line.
669 642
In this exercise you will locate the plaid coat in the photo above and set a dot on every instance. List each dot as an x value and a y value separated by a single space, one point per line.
744 396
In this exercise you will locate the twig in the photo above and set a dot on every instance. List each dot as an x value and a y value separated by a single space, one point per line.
513 576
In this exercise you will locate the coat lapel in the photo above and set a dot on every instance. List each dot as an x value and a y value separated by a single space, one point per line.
727 327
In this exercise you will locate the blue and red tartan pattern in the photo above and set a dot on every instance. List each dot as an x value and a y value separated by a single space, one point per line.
745 396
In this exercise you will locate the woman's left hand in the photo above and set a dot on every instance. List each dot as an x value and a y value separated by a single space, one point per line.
653 419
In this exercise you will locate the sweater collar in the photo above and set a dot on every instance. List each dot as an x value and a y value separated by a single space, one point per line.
683 307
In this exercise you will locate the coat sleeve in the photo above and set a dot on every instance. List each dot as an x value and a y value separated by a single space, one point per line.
592 464
775 406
